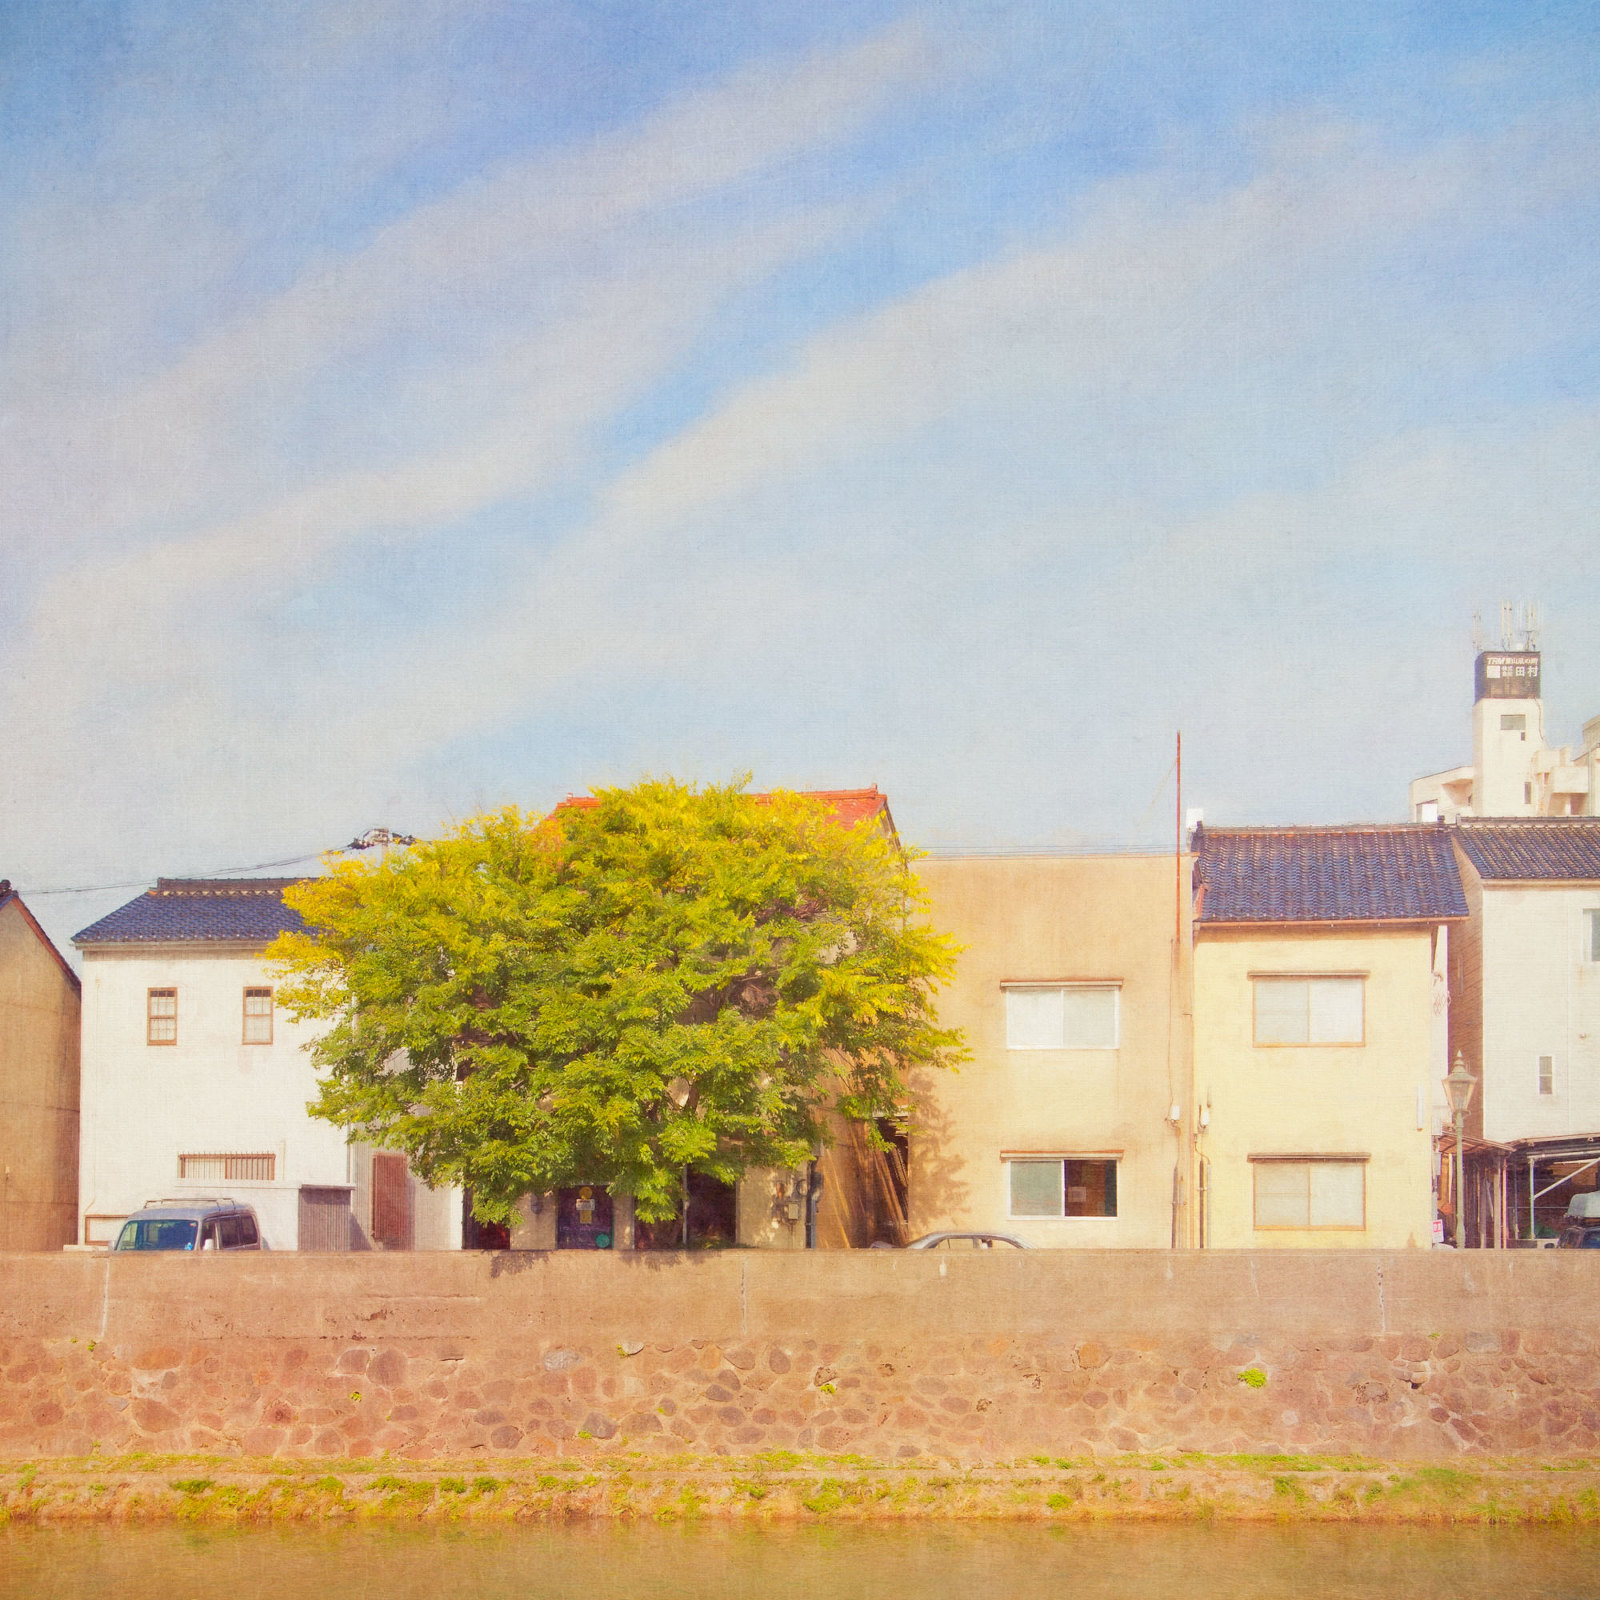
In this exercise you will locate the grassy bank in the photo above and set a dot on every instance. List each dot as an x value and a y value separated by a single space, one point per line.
785 1487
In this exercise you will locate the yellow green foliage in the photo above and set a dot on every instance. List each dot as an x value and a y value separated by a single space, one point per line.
667 977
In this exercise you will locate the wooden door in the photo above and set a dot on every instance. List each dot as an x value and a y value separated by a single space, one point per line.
391 1201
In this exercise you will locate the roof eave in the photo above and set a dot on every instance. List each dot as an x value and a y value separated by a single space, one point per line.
1425 920
185 946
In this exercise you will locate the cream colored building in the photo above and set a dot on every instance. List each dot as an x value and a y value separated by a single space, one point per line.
1320 1033
1071 993
38 1084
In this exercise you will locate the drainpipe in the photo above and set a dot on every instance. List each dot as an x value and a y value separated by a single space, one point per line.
813 1196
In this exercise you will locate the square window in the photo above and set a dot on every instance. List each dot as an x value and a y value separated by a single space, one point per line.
258 1016
1310 1010
1063 1187
161 1016
1036 1189
1310 1194
1061 1016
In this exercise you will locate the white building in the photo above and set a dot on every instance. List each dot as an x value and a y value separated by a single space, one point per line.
1525 1004
1514 772
195 1082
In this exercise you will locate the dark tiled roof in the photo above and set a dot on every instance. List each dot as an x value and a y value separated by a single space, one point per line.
1350 874
235 910
1532 847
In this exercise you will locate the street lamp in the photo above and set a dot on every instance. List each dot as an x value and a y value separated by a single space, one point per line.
1458 1085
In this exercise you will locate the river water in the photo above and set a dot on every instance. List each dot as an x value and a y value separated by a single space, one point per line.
920 1562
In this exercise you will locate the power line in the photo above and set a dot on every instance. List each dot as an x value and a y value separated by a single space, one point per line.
217 872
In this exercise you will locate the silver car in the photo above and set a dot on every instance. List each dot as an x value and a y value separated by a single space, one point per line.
966 1241
191 1224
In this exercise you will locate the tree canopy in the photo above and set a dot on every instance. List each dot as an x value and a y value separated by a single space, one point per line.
660 977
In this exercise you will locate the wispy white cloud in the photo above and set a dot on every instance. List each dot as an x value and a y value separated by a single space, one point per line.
465 272
987 539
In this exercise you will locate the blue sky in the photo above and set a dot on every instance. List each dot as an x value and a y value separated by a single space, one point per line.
409 407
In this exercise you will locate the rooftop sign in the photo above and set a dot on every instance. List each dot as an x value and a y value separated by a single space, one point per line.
1507 675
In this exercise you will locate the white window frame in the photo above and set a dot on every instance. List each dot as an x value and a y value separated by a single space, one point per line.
1113 986
1591 928
1547 1076
1259 979
1307 1162
1059 1160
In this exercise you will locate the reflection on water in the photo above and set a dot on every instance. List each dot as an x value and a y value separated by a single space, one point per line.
908 1562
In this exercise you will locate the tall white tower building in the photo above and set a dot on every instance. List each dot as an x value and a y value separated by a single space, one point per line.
1514 773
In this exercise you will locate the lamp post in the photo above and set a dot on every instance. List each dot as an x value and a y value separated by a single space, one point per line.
1458 1085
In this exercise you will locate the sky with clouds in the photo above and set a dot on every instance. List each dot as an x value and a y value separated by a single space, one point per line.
408 406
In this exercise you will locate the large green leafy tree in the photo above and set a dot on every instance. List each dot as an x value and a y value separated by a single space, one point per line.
663 977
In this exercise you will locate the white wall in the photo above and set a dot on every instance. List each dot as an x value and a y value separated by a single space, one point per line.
1541 996
210 1093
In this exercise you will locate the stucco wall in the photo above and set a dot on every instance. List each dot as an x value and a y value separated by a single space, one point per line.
1541 997
890 1354
38 1090
1062 919
209 1093
1318 1099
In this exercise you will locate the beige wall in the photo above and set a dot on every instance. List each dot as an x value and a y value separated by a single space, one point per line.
38 1089
1047 919
1318 1099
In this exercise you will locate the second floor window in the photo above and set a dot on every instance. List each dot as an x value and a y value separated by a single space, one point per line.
258 1016
1294 1010
161 1017
1061 1016
1592 929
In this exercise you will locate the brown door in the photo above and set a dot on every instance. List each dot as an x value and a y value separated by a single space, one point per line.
324 1219
391 1202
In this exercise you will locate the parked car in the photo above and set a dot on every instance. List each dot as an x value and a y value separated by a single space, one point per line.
191 1224
965 1241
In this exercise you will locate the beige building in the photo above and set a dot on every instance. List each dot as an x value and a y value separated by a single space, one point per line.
1070 991
1320 1033
38 1084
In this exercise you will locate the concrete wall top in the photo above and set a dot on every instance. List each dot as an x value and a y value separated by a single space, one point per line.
515 1297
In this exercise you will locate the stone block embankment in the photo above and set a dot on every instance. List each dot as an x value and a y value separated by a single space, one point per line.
891 1356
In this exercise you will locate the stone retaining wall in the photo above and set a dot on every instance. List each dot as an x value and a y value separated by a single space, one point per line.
891 1356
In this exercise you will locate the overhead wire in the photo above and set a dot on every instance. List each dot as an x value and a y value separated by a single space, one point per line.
217 872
